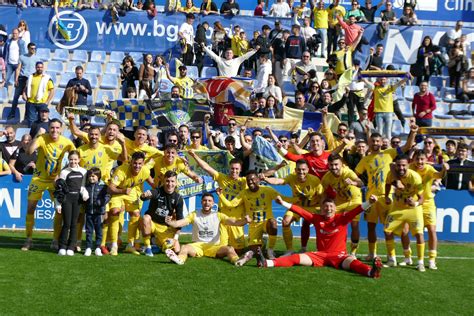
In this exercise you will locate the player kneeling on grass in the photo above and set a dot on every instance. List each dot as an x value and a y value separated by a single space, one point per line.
207 226
164 202
331 235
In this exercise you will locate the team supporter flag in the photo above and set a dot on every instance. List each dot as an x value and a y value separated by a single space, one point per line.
170 114
133 113
344 81
62 29
217 159
278 126
229 90
446 131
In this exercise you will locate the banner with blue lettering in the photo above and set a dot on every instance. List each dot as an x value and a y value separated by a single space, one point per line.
136 32
455 216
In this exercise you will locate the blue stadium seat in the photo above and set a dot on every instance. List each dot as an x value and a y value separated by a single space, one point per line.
109 82
193 72
436 93
98 56
437 81
55 66
98 121
397 128
80 55
137 57
92 79
208 61
61 54
399 94
405 67
116 57
441 111
448 94
462 107
405 107
71 66
3 95
58 94
94 68
107 94
53 76
289 88
65 77
20 132
410 91
6 112
208 72
43 53
112 68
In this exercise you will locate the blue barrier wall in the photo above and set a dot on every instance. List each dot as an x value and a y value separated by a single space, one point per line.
92 30
455 211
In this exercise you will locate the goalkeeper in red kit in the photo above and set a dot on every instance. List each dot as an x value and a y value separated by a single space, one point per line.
331 235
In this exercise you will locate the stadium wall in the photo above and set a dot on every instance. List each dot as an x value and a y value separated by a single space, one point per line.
136 32
455 211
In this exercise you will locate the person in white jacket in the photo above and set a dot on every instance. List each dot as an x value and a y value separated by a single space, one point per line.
229 66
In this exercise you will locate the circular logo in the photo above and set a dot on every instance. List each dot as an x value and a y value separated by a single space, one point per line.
70 32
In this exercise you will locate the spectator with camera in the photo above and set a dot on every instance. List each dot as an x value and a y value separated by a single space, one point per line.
81 85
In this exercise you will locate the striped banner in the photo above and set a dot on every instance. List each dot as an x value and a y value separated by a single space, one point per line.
448 131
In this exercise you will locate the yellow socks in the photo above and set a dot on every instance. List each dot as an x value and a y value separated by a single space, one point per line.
30 222
420 249
147 241
105 231
132 228
234 259
58 224
432 255
390 248
183 258
114 228
354 247
372 249
288 237
272 239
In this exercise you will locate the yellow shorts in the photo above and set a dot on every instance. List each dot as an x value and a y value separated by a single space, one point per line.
124 202
38 186
429 213
161 233
256 231
349 206
396 220
205 249
377 212
233 236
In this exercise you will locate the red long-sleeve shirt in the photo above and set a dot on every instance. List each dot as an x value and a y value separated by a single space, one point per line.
423 103
318 165
331 234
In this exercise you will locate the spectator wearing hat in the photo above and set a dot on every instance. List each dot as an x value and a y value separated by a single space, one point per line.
41 122
184 83
263 41
38 93
81 85
186 35
277 31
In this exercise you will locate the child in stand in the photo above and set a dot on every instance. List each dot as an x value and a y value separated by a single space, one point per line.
95 209
69 191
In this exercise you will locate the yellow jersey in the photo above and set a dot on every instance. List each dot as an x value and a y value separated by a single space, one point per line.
377 166
428 175
35 85
258 205
161 167
413 186
123 179
185 86
383 98
307 192
100 157
321 18
344 192
149 151
3 165
50 156
230 189
344 60
332 12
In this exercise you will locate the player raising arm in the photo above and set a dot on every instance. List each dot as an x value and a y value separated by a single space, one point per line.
207 227
331 235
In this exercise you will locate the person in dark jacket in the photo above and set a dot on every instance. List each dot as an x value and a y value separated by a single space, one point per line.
95 209
200 38
458 179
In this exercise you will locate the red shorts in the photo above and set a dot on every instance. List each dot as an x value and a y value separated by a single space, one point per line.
324 259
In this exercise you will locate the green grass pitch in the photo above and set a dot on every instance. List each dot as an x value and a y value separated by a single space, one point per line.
40 282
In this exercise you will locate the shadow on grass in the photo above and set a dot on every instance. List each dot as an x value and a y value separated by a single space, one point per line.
16 242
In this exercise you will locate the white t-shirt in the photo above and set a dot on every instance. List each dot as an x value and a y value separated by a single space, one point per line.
280 10
453 34
14 53
206 227
307 32
261 81
188 32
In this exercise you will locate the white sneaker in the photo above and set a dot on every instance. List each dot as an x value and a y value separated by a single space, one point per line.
432 265
98 252
391 263
70 252
421 267
173 257
62 252
270 254
245 258
287 253
406 262
54 245
28 244
88 252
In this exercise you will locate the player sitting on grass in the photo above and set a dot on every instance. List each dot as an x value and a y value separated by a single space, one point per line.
331 235
207 226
